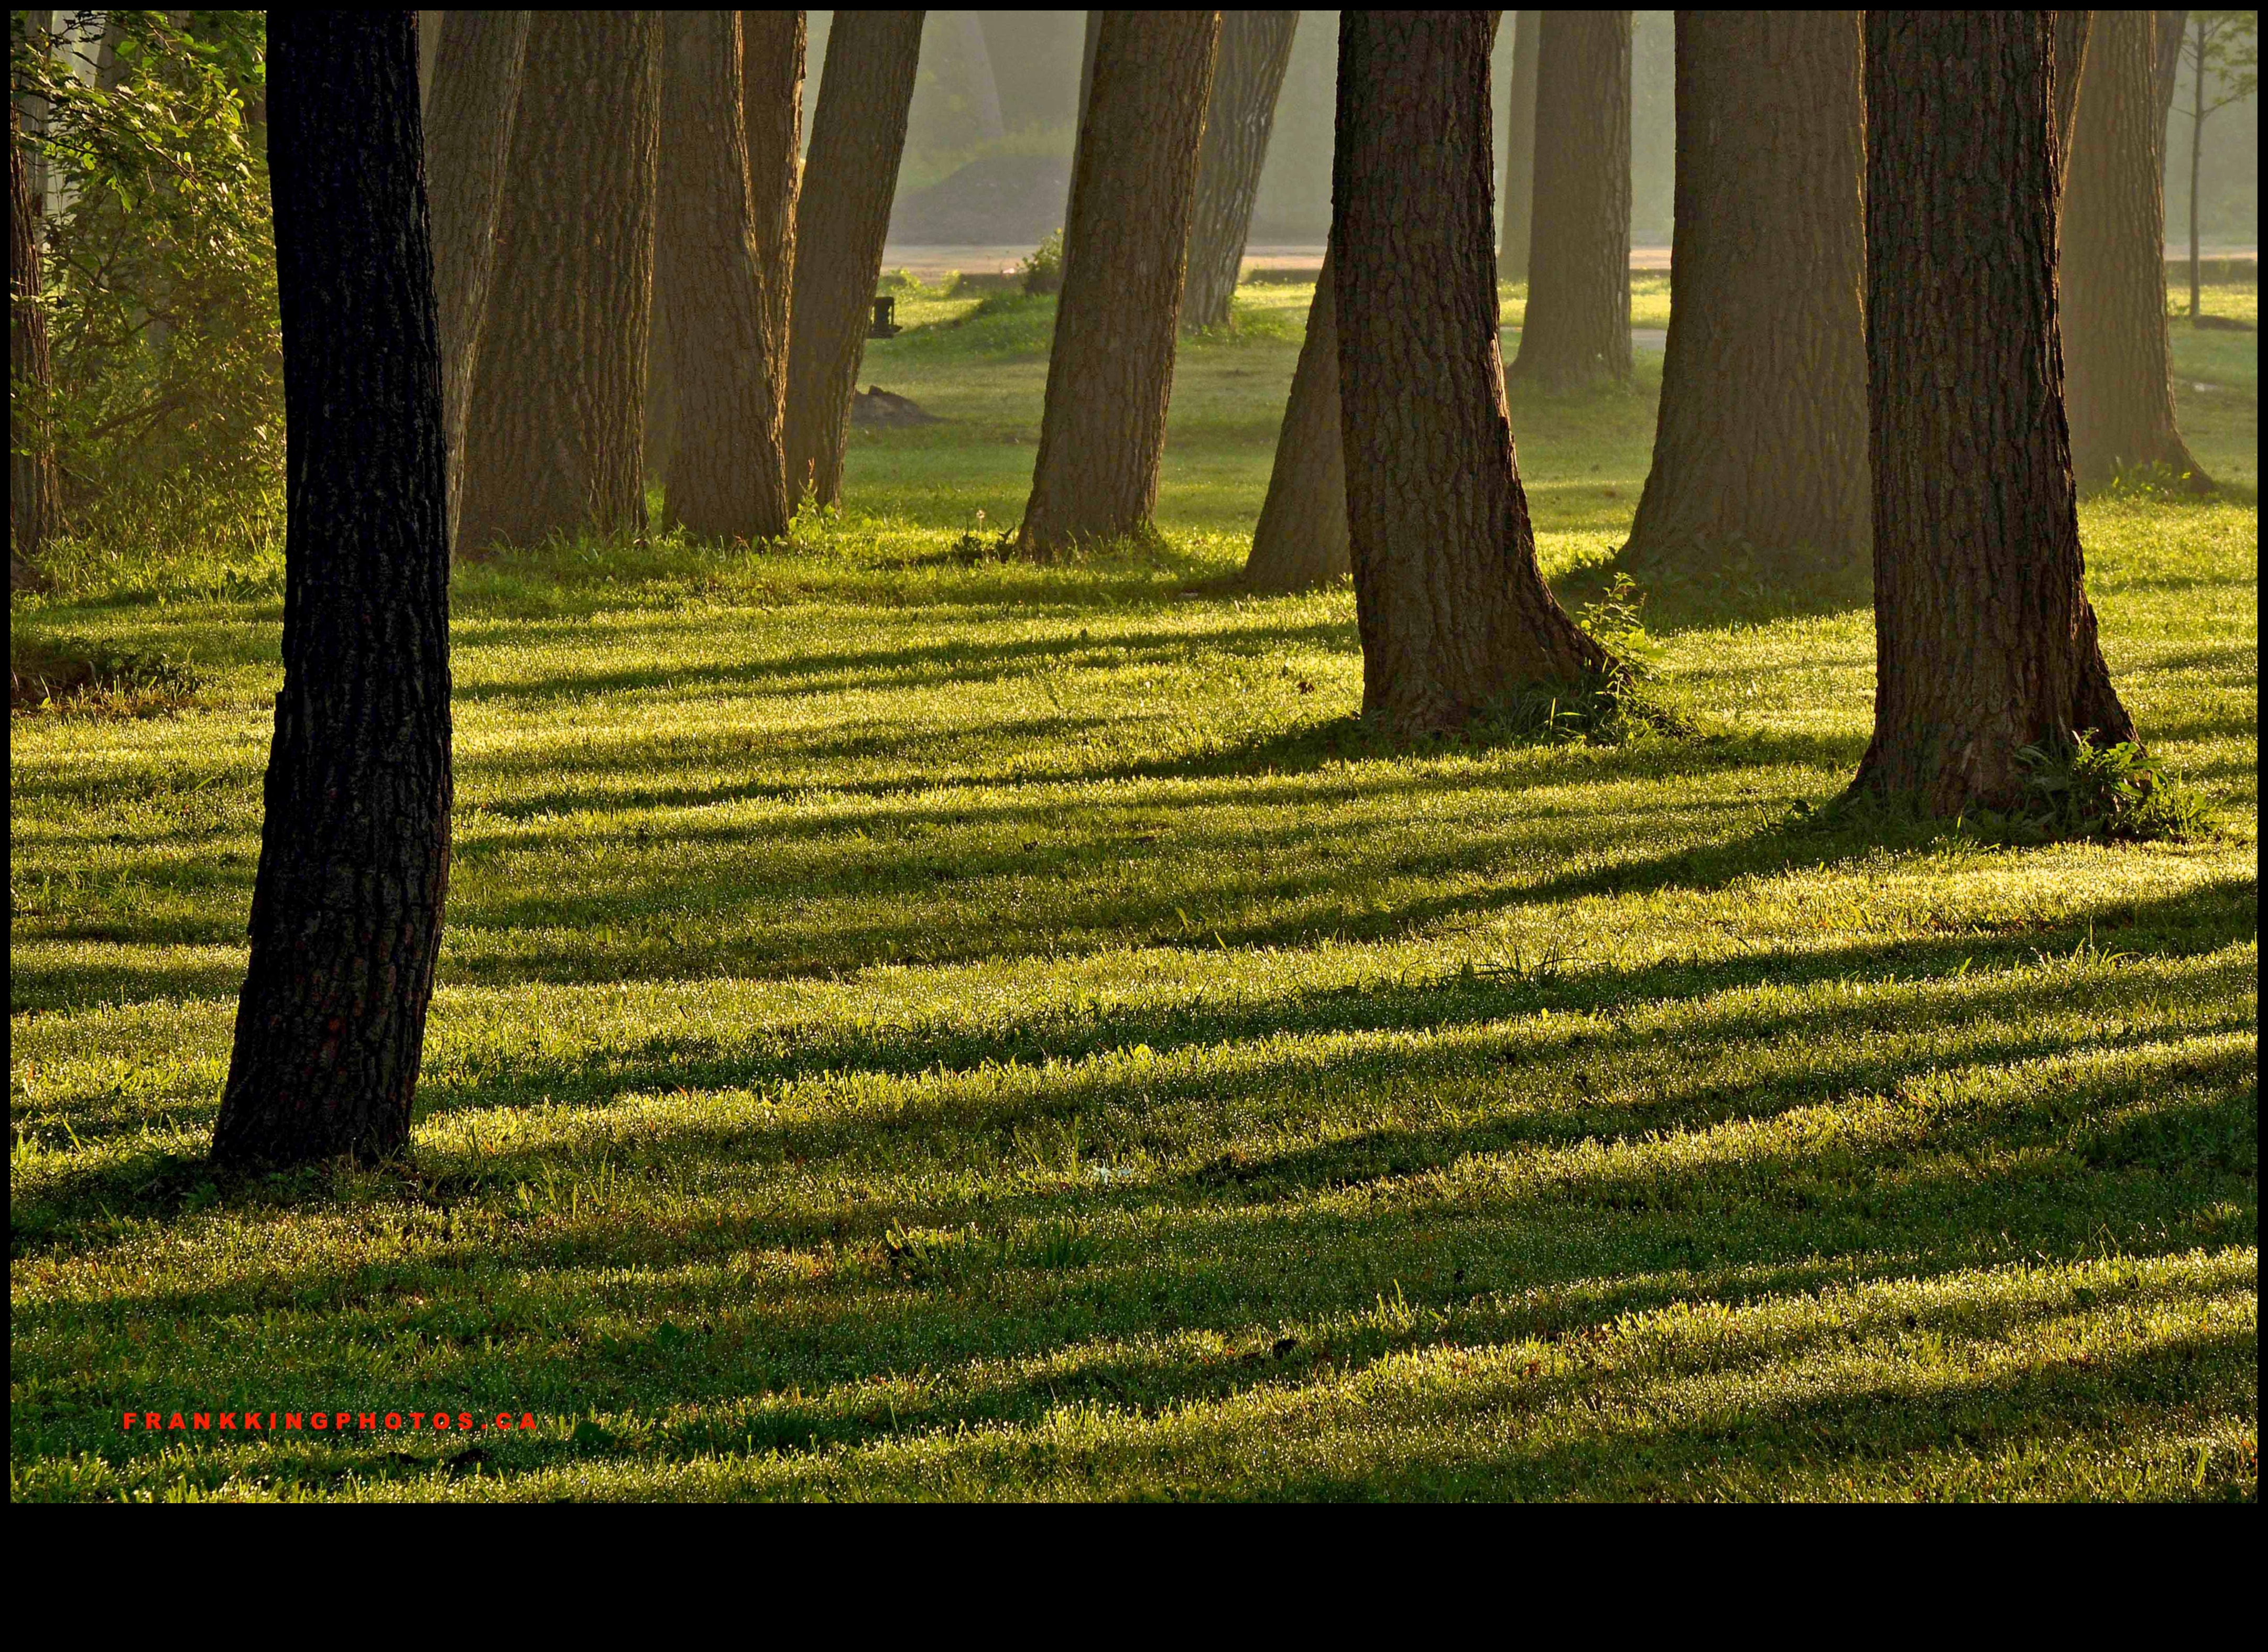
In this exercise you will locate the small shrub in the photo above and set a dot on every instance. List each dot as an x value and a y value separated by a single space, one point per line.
2109 792
1042 270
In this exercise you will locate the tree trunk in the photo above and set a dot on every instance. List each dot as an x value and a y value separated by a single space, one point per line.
1089 35
2071 31
2117 363
1111 370
1985 641
471 102
431 26
1761 440
771 77
554 440
1256 49
1450 601
35 499
707 284
354 855
1301 538
1577 329
2171 25
1516 201
858 138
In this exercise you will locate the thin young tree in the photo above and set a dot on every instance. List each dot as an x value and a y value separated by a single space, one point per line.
858 138
35 499
1576 330
2117 362
555 437
354 853
1256 49
1449 598
2226 46
1103 432
471 99
1516 197
1984 640
1760 442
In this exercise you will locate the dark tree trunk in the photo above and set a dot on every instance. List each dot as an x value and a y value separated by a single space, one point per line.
472 100
35 498
858 138
1450 601
1301 539
1091 33
354 855
1762 436
1111 371
771 77
1985 641
554 440
2117 363
1256 49
1577 329
2072 30
1516 200
707 284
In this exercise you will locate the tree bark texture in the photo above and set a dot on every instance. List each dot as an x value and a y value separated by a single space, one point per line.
35 497
2072 30
1761 440
2117 362
858 138
771 77
1301 538
1449 598
1577 329
1256 49
1984 640
1516 199
2170 25
1110 372
354 856
707 284
472 99
554 441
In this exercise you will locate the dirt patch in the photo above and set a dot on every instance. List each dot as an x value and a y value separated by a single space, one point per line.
876 406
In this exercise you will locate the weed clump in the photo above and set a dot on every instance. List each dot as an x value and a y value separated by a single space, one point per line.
1043 268
98 681
2109 792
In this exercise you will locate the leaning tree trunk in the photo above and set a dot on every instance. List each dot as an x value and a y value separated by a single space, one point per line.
858 138
708 285
1111 371
1984 640
35 498
1301 539
2073 30
1449 598
1256 49
771 80
1577 329
554 440
2117 364
354 853
1761 441
472 100
1516 200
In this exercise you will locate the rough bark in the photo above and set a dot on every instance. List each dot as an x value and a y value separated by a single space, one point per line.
1449 598
554 439
1301 538
858 138
1256 49
471 101
1516 199
1111 370
1761 441
2071 31
1577 329
354 857
771 75
2117 362
35 500
1985 643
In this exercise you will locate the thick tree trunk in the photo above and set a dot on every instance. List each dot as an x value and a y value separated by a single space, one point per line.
858 138
1256 49
1577 329
2171 25
472 100
1984 640
1301 538
2071 31
1111 371
354 856
431 26
2117 364
554 440
707 283
1450 601
1516 199
1761 440
771 76
35 499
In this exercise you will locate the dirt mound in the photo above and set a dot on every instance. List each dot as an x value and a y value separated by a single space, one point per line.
1002 200
874 405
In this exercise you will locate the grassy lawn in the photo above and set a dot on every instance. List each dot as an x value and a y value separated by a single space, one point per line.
915 1026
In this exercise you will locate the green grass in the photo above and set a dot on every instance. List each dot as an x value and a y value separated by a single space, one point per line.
912 1029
